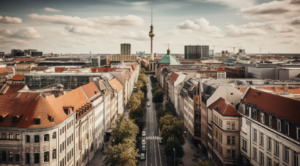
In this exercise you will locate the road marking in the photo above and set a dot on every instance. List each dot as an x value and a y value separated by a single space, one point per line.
159 154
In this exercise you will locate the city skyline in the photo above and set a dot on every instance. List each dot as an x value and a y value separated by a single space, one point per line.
100 26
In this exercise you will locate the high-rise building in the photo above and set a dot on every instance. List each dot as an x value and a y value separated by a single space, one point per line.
196 51
29 51
125 49
140 53
36 53
16 52
151 35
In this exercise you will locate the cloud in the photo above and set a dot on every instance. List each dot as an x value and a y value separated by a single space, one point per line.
178 31
28 33
87 31
296 2
216 35
282 28
200 24
203 39
286 35
5 32
10 20
233 30
48 9
129 20
295 21
142 35
234 3
11 42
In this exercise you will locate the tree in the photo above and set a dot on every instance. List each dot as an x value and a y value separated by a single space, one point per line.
125 129
158 96
202 163
241 161
173 143
121 155
172 127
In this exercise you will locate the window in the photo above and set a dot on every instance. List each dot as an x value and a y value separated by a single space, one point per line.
269 161
255 154
54 135
262 117
255 135
36 158
11 156
295 160
261 139
17 158
46 156
217 145
54 154
286 154
269 143
27 158
220 137
11 136
27 138
298 133
286 128
36 139
254 113
37 121
3 136
46 137
228 153
233 140
233 125
262 161
233 153
228 125
276 164
271 121
279 125
244 145
228 140
17 136
3 155
276 152
217 134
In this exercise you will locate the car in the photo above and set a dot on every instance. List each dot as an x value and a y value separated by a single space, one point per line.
143 142
161 141
148 105
144 133
143 149
179 162
143 157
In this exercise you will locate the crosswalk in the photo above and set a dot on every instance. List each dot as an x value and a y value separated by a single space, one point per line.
150 138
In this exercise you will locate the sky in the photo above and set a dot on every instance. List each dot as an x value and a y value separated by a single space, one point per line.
100 26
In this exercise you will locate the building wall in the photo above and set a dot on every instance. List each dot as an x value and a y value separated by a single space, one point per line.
126 49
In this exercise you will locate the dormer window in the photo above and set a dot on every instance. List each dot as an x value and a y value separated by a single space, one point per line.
254 113
66 110
52 119
286 128
271 121
1 118
37 121
262 117
15 119
279 125
298 133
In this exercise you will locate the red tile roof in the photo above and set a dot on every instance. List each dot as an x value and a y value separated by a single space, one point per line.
188 62
18 77
3 70
123 73
90 89
60 69
290 89
24 59
174 77
115 84
280 106
94 70
224 107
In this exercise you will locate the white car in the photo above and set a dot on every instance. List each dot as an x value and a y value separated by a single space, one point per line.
144 133
143 142
148 105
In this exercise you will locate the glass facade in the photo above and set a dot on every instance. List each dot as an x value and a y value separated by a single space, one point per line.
254 72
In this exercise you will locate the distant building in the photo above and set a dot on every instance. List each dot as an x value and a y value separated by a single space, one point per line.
29 51
140 53
235 71
242 52
196 52
124 57
16 52
36 53
125 49
211 52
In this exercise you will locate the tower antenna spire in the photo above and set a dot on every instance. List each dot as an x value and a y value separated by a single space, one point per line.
151 15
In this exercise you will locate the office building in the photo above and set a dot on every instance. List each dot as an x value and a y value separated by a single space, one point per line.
196 51
140 53
16 52
29 51
36 53
125 49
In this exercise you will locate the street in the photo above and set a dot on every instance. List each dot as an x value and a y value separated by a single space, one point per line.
154 154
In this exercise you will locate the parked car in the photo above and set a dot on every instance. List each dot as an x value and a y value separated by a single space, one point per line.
143 157
144 133
143 142
161 141
143 149
148 105
179 162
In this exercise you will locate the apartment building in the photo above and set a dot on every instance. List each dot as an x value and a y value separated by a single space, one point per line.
270 130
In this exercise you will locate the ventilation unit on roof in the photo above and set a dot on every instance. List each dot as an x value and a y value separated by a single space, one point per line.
258 93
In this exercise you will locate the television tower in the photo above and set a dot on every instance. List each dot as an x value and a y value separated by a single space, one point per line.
151 34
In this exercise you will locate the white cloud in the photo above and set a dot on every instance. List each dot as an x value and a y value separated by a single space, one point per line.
273 10
178 31
234 3
5 32
87 31
233 30
200 24
295 21
216 35
280 35
10 20
282 28
129 20
142 35
27 32
203 39
48 9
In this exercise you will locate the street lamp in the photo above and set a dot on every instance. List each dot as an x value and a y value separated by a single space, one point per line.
174 155
113 142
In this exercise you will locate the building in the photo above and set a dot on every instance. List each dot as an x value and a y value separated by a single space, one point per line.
18 79
36 53
225 133
270 132
125 49
140 53
16 52
196 51
29 51
90 61
124 57
235 71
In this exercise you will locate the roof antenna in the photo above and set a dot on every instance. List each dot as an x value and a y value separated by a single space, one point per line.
151 15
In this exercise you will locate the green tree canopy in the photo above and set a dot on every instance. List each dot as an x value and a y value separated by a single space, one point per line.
172 127
158 96
173 143
121 155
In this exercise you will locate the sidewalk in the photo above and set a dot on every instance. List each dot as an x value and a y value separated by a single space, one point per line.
99 157
190 149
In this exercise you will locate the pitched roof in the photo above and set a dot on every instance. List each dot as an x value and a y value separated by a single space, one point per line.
90 89
59 69
115 84
280 106
124 75
290 89
24 59
224 107
174 77
18 77
3 70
